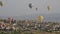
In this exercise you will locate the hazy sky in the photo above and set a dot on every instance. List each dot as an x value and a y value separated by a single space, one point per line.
20 7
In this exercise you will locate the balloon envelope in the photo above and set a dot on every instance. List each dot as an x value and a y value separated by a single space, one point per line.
36 9
40 18
49 8
1 3
30 5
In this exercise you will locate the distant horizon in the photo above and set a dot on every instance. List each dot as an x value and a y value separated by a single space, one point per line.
47 17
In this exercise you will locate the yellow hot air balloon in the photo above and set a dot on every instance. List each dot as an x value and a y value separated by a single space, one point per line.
49 8
1 3
40 18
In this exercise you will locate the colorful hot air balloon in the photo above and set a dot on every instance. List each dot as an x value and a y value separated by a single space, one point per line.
40 18
49 8
30 5
1 3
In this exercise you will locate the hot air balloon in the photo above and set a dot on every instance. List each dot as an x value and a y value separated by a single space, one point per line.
40 18
49 8
30 5
1 3
36 9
